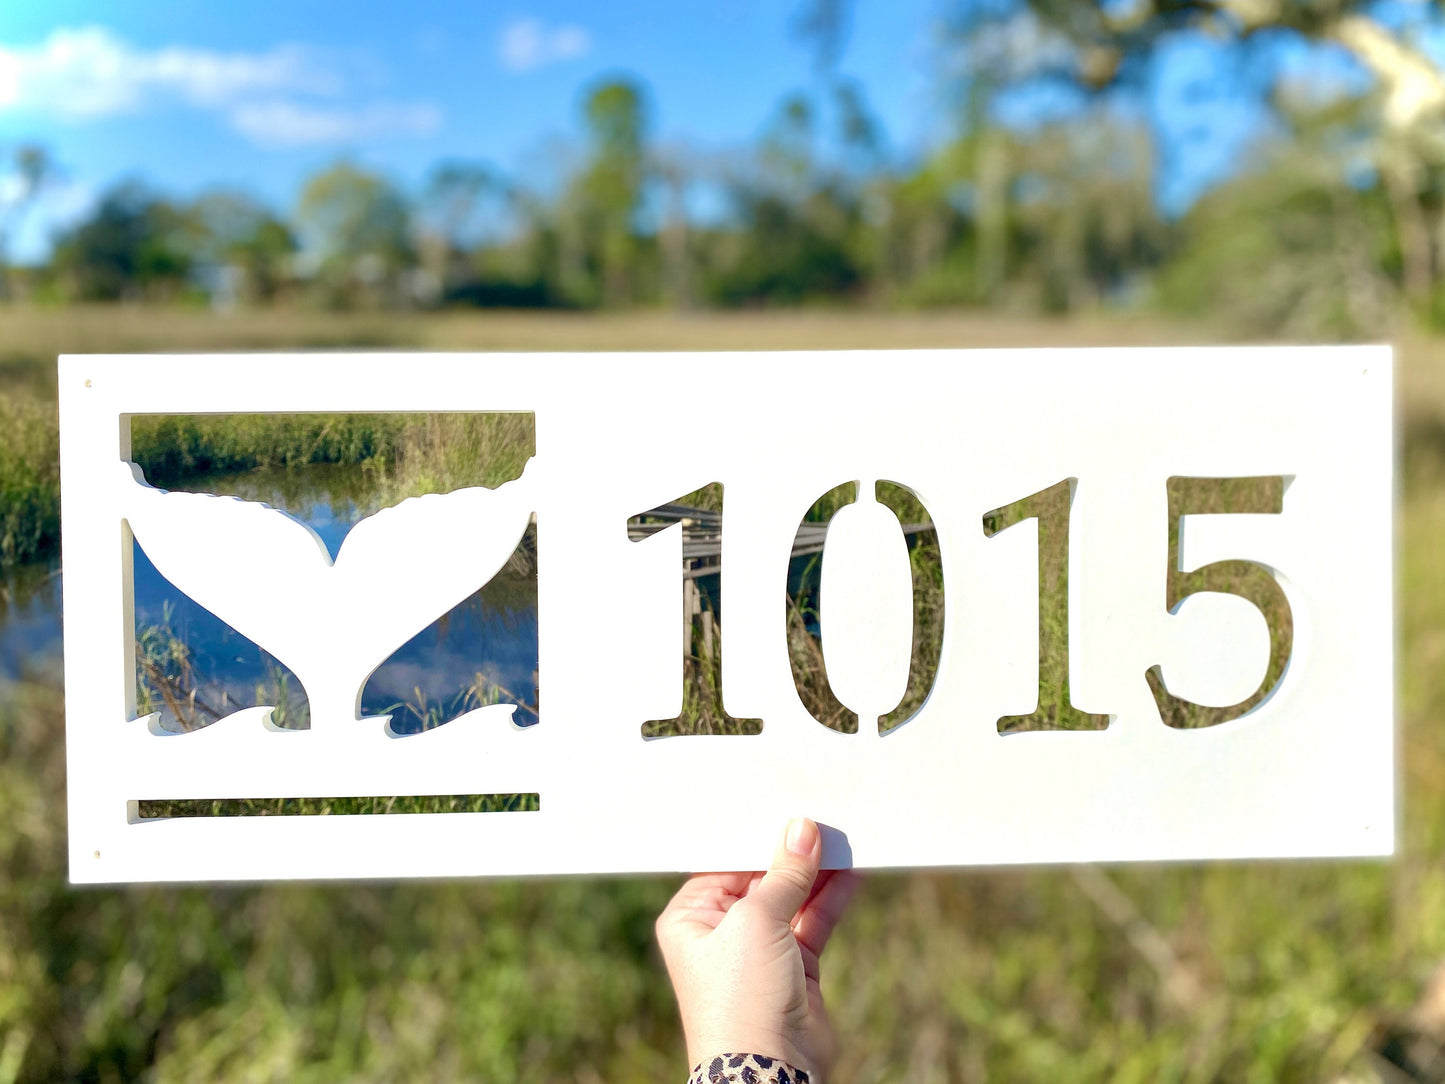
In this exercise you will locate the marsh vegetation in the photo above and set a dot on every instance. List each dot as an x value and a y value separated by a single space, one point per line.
1258 971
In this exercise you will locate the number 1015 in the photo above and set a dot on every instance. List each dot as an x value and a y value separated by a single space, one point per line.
703 710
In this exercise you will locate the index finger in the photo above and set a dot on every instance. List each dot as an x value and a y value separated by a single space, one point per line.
703 890
819 916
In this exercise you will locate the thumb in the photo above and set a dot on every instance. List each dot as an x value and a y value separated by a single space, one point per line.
785 887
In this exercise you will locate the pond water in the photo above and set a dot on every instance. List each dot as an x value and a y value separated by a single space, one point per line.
30 625
194 668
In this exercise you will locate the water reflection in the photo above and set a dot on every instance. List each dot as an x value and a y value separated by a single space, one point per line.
193 668
30 624
483 651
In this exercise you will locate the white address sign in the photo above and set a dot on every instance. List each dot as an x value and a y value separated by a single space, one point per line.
1215 523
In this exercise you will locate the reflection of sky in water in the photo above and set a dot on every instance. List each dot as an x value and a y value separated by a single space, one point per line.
330 523
30 625
488 642
492 634
229 671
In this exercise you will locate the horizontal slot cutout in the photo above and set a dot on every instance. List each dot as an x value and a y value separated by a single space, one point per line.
191 808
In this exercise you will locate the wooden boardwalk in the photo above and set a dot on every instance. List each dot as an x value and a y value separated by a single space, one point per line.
702 536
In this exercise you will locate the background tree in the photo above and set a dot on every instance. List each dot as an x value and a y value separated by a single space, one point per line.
793 224
241 243
676 168
451 222
607 195
1343 201
1295 244
133 245
30 171
1086 210
1099 47
355 228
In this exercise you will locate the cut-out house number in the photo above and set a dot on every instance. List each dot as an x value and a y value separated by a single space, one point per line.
1162 579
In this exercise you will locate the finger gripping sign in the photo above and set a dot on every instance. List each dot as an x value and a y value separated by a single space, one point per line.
1215 680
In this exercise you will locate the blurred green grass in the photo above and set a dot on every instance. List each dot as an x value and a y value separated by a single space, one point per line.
1265 971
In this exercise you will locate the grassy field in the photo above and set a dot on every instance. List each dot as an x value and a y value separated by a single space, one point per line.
1318 971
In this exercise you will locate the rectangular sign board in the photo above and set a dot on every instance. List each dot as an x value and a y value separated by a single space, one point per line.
1293 754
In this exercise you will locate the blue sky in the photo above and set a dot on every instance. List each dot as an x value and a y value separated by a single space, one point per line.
190 95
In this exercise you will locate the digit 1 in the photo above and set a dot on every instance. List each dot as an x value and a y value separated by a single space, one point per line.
1052 507
702 700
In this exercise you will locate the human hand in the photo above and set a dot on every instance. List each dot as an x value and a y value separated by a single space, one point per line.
742 952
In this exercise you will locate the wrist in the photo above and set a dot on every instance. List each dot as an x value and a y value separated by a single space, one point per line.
748 1068
707 1044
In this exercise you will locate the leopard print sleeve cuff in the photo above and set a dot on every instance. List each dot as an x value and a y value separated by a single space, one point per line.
746 1069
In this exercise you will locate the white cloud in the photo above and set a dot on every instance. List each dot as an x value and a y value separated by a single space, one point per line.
81 73
529 43
289 124
91 72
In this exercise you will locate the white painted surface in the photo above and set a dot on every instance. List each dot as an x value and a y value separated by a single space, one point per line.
1309 772
1219 652
865 609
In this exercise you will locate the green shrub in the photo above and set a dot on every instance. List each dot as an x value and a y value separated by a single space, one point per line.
29 481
